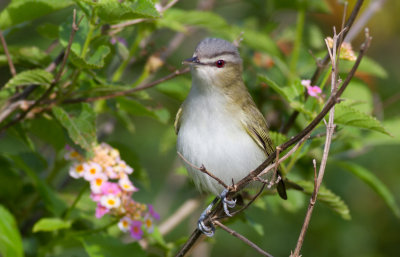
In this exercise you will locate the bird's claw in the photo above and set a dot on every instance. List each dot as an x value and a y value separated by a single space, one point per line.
227 203
207 230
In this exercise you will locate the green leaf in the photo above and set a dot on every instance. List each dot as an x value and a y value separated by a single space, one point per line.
80 35
177 19
327 197
108 246
177 88
277 138
48 30
95 61
374 182
359 96
135 108
111 11
26 56
79 120
32 165
31 77
367 65
10 238
25 10
346 115
282 91
51 224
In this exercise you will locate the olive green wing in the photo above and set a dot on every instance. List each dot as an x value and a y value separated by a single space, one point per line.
257 128
177 122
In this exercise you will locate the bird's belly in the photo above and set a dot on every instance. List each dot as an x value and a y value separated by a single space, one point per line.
222 146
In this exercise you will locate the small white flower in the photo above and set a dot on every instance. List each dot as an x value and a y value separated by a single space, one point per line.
127 185
98 182
110 201
148 222
124 224
123 167
92 169
72 155
76 170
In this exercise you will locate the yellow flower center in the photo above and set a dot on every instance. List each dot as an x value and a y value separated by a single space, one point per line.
92 171
79 168
99 181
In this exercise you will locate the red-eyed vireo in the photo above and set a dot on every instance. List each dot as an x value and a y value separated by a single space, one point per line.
219 125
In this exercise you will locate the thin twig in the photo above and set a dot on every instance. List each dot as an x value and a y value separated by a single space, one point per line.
10 63
244 239
127 92
334 52
204 170
321 66
54 82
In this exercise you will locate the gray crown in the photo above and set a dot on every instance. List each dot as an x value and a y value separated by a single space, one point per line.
211 47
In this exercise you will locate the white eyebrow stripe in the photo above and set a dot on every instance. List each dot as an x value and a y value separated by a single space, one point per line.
225 57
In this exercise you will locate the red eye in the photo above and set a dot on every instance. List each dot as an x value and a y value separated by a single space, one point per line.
220 63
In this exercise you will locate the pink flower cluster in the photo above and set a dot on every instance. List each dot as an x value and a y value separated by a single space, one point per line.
313 91
112 189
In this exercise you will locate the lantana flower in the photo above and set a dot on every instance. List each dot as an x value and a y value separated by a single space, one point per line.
112 189
313 91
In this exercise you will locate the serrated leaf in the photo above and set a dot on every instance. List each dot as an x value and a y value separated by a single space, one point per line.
99 245
51 224
31 77
79 120
288 93
80 35
135 108
19 11
111 11
327 197
346 115
374 182
95 61
10 238
277 138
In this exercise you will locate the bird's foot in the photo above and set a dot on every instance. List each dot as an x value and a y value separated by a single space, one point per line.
207 230
227 203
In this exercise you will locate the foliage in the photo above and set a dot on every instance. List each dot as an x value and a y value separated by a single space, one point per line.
103 94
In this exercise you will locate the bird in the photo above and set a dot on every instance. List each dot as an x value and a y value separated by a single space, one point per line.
218 125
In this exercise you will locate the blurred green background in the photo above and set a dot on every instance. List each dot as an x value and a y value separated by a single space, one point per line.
149 144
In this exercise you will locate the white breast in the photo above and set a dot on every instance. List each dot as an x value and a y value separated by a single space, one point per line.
212 137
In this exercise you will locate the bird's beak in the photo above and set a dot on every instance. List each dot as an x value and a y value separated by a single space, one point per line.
191 61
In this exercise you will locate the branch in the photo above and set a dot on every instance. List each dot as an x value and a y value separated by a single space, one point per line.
322 64
54 82
204 170
10 63
244 239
